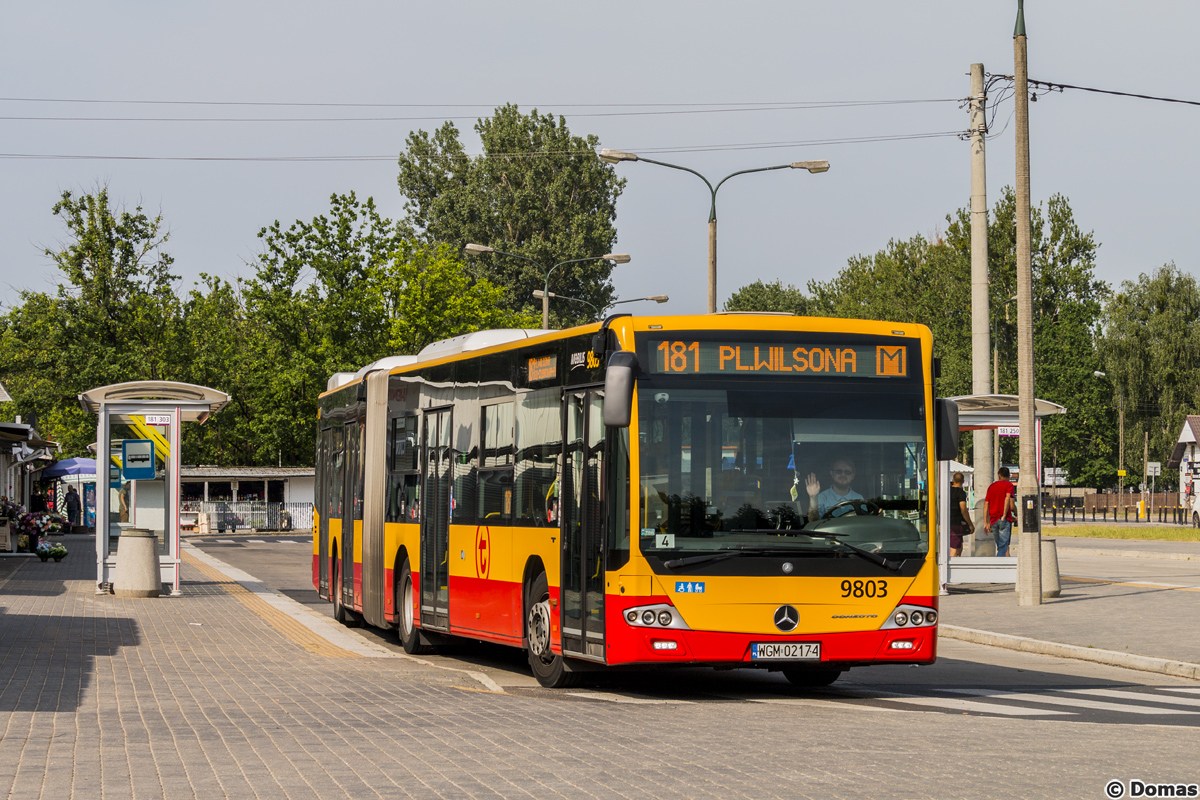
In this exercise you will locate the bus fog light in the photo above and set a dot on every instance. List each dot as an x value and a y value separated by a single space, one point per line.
916 618
664 618
660 644
647 617
901 618
631 616
930 617
903 644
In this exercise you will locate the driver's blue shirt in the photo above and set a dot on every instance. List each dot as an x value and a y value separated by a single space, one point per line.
829 498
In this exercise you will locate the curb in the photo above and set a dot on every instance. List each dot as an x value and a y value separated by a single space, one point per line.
1089 551
1112 658
321 625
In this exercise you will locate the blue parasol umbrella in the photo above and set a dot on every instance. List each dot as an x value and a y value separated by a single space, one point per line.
71 466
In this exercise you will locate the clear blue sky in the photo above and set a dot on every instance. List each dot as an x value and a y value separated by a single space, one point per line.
1128 166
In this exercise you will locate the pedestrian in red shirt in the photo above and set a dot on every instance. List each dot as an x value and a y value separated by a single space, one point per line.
1002 506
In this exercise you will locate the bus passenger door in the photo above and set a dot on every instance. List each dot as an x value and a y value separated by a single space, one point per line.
582 518
324 472
435 521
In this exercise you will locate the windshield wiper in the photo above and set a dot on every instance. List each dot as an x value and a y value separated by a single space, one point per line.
874 558
724 554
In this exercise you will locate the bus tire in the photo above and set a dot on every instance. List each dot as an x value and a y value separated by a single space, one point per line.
549 669
410 637
811 678
340 613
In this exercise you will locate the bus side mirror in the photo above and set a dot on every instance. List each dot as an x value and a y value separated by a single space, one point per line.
618 388
946 432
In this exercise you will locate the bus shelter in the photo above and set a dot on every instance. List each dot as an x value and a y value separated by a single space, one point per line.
138 441
976 413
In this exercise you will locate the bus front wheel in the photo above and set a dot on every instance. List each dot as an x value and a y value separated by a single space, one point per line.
410 637
335 592
549 669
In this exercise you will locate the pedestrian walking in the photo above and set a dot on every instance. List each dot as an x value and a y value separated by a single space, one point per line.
1002 507
73 506
960 515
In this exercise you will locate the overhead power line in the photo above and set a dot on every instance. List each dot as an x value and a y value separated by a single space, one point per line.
658 113
278 104
540 154
1050 86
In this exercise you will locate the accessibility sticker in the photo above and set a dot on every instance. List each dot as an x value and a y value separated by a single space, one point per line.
689 587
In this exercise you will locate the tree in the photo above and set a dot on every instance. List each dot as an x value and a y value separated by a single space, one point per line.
759 296
340 292
114 318
1151 351
536 191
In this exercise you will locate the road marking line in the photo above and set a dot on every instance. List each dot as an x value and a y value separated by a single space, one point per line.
958 704
808 701
616 698
224 541
1117 694
286 541
256 541
1179 689
1175 586
1054 700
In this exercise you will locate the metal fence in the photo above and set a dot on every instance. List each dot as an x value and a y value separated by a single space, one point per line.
260 516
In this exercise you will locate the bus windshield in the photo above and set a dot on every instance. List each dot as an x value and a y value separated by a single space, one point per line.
782 465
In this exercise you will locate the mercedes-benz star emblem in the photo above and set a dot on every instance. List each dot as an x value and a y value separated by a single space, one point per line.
787 567
786 618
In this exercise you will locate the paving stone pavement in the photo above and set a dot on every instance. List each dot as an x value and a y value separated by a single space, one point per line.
196 697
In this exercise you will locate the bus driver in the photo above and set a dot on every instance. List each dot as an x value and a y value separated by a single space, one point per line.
819 503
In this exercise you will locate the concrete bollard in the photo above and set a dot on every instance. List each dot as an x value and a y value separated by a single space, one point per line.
137 572
1051 584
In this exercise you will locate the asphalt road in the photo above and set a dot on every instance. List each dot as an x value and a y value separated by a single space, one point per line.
968 679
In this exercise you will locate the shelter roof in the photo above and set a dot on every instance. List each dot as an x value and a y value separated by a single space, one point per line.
188 396
248 473
980 411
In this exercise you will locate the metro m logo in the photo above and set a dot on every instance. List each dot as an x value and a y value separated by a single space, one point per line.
890 361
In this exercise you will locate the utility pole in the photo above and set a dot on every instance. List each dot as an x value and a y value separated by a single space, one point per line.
980 305
1029 562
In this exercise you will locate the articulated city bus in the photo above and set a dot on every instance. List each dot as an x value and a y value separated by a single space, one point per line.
730 490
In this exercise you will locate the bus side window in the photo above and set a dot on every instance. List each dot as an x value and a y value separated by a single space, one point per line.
496 463
539 442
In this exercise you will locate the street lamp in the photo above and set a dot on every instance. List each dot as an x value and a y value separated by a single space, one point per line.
617 156
616 258
657 298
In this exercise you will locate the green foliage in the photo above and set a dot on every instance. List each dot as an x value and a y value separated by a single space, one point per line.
759 296
536 191
928 282
1151 351
113 320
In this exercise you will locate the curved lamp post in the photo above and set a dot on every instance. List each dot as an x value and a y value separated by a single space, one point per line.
617 156
616 258
657 298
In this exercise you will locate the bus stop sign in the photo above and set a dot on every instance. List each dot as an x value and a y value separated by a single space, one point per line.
137 459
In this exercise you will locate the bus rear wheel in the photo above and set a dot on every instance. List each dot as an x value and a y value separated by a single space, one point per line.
410 637
335 593
810 677
549 669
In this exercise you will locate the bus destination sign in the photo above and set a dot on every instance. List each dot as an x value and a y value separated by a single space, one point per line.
685 357
542 368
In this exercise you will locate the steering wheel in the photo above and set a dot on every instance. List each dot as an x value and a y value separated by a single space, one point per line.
861 508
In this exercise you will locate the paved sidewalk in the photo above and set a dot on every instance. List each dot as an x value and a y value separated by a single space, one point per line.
1144 606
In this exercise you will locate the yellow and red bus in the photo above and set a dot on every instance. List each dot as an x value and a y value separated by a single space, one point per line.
734 490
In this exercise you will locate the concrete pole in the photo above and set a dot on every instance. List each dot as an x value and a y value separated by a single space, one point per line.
546 307
712 265
980 306
1029 566
1146 469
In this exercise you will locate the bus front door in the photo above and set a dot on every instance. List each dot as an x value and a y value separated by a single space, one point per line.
582 520
435 522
